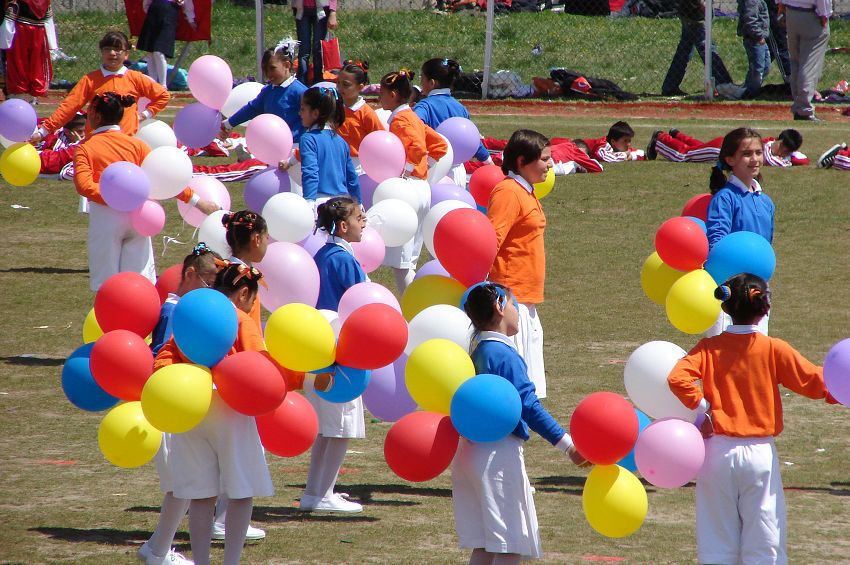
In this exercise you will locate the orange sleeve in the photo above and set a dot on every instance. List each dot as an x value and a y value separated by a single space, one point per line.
186 195
797 373
169 354
412 139
682 380
151 90
371 122
503 211
70 105
84 176
437 146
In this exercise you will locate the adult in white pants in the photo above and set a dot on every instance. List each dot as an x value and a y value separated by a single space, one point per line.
807 22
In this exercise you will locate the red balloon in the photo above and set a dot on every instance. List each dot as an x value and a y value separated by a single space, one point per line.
249 382
421 445
372 336
121 363
291 428
482 182
697 206
465 244
127 301
682 244
168 281
604 427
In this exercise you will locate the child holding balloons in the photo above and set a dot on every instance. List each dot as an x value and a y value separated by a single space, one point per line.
360 118
343 220
740 506
247 234
493 503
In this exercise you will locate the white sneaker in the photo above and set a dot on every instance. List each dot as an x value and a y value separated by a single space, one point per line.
146 555
825 160
336 503
251 534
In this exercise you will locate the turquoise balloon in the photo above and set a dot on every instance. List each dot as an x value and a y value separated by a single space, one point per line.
485 408
347 384
79 385
628 462
205 326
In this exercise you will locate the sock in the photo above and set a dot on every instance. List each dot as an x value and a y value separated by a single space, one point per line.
157 67
170 515
403 278
317 456
332 463
201 513
221 509
236 525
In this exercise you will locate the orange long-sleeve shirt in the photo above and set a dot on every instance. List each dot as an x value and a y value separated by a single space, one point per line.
419 140
519 222
740 375
129 82
359 122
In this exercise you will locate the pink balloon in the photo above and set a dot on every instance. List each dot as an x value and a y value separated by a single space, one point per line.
208 188
149 219
210 80
313 242
362 294
370 250
382 155
669 452
269 139
291 276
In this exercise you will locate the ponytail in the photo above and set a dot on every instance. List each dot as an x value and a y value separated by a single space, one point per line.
110 107
745 297
329 104
399 81
444 71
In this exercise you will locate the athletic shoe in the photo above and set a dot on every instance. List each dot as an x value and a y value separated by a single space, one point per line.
811 118
730 91
146 555
825 160
674 92
252 534
651 153
333 503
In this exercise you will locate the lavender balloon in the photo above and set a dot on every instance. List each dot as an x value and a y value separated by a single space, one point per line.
464 137
264 185
432 267
313 242
387 397
124 186
17 120
836 371
445 191
197 125
367 190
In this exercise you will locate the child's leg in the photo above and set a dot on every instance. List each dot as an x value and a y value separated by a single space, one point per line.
480 557
691 142
403 278
505 559
672 148
106 232
842 160
170 515
221 509
157 67
238 518
335 449
317 457
718 528
201 513
761 504
137 256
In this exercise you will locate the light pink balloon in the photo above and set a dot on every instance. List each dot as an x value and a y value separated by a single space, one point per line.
291 276
362 294
370 250
382 155
210 80
208 188
669 452
269 139
149 219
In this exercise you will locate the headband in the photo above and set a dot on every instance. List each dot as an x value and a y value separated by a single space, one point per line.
501 295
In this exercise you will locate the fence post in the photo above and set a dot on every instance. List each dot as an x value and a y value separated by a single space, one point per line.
260 38
708 51
488 48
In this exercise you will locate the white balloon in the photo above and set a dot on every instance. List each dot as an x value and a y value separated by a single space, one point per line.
214 234
441 321
156 134
169 170
5 142
394 220
645 376
400 188
294 171
333 319
239 96
429 226
443 165
289 216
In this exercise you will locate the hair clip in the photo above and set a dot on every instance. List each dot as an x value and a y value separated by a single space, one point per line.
753 292
250 273
221 264
501 295
287 46
725 293
445 62
719 165
200 249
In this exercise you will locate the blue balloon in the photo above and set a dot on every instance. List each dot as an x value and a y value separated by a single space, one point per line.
628 462
485 408
741 252
79 385
698 222
205 326
347 384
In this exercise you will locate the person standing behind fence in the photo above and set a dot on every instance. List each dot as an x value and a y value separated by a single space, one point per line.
159 33
313 19
807 24
754 29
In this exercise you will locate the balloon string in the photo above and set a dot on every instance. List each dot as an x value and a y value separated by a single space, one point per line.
166 240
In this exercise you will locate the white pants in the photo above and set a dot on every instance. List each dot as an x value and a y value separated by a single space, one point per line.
724 320
407 256
337 419
115 247
740 504
529 344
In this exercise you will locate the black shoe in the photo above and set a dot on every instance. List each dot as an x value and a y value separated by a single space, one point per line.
811 118
673 132
825 160
651 153
674 92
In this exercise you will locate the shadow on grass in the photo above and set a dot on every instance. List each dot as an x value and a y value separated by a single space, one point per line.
45 270
365 492
269 514
575 485
833 489
107 536
34 361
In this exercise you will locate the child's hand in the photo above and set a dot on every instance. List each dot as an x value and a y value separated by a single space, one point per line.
284 165
323 381
207 206
706 427
36 138
224 132
577 457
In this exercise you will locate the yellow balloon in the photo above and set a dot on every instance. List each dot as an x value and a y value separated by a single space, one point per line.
428 291
300 338
91 329
126 438
614 501
20 164
691 306
434 371
176 398
542 189
656 278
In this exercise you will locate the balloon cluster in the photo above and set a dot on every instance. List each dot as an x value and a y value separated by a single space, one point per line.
19 162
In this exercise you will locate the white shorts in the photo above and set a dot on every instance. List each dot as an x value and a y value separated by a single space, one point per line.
529 344
115 247
492 498
221 455
337 419
740 478
724 320
407 256
166 483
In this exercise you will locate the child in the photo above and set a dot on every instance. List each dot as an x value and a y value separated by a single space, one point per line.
159 32
326 166
421 144
313 19
740 506
569 156
438 105
56 151
112 76
28 66
282 97
836 156
114 246
343 220
360 118
492 497
616 146
780 151
754 29
738 203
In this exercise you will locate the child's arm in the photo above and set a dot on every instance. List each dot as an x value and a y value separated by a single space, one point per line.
169 354
610 155
247 112
797 373
502 210
414 145
310 167
153 91
70 105
352 181
84 177
718 223
437 146
684 377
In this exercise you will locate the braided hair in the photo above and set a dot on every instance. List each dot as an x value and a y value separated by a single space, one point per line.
745 297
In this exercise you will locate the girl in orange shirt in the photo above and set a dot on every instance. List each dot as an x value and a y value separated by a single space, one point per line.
360 118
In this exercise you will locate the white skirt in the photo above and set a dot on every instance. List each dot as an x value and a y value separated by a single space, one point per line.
115 247
529 344
166 483
337 419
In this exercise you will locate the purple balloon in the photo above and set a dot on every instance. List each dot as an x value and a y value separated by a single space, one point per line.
432 267
263 185
464 137
386 397
836 371
197 125
445 191
17 120
313 242
124 186
367 190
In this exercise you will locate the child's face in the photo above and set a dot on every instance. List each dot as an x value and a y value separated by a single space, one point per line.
351 228
348 87
308 115
510 316
278 70
389 99
112 58
747 160
76 133
244 299
535 171
778 148
621 144
260 245
196 278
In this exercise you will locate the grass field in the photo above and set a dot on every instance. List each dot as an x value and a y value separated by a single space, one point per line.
61 502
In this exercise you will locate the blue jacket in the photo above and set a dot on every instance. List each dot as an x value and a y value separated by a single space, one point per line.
496 355
283 101
326 165
435 109
338 271
731 210
163 329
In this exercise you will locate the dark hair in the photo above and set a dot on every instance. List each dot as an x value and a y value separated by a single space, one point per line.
77 122
202 258
524 143
745 297
115 39
415 95
444 71
399 81
329 214
619 130
110 106
479 302
582 144
357 68
241 227
791 139
236 276
284 54
328 103
731 142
